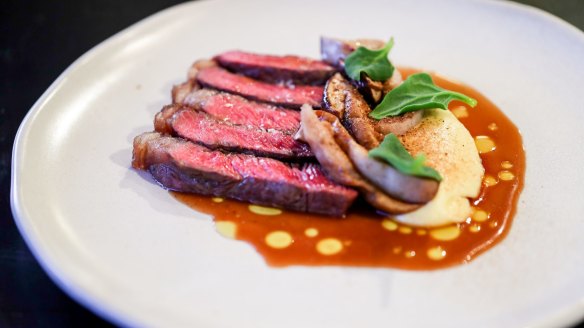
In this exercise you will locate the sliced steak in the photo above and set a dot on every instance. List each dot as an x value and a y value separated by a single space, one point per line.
183 166
288 96
180 91
238 110
199 65
202 128
276 69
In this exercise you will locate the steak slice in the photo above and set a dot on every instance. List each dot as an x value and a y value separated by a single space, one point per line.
275 69
180 91
202 128
183 166
288 96
238 110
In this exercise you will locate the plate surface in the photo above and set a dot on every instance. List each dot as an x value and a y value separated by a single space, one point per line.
126 249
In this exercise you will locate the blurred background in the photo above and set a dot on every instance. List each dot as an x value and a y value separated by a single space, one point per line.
38 41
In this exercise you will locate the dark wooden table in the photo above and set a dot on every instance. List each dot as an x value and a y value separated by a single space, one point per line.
38 40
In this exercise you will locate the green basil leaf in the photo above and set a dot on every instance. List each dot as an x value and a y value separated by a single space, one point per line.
417 92
394 153
372 62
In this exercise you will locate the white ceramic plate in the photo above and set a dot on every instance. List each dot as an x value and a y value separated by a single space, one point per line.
123 247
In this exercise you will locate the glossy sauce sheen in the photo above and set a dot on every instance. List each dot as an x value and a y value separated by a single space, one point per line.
365 238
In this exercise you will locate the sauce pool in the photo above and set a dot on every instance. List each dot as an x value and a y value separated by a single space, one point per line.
365 238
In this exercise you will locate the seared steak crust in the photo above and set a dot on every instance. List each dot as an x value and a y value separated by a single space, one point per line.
183 166
276 69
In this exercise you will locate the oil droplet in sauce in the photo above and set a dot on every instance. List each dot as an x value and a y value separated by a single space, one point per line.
410 254
263 210
484 144
479 215
218 199
389 224
489 180
506 164
405 230
365 238
436 253
226 228
311 232
279 239
506 176
474 228
446 233
460 112
329 246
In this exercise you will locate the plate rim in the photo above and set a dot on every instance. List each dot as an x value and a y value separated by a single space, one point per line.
567 315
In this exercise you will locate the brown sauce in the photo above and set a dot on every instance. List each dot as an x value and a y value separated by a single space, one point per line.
364 238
